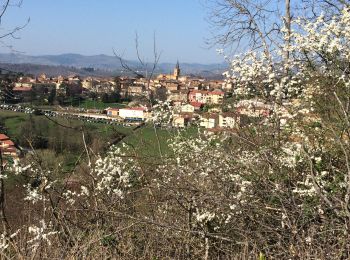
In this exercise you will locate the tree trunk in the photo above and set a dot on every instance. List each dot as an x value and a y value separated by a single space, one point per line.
288 25
207 248
2 198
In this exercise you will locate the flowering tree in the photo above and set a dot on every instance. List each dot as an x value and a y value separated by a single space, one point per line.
246 193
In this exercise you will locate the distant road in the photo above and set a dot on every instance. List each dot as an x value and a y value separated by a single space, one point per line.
88 117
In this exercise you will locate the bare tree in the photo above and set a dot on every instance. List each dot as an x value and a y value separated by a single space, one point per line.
12 32
148 69
245 23
329 7
144 68
257 24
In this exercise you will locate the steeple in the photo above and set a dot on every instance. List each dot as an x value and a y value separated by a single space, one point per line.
177 70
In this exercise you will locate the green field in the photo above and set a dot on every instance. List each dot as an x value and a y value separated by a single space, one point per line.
13 121
153 142
90 104
147 142
57 136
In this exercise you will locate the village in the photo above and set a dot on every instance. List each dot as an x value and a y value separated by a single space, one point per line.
191 101
207 103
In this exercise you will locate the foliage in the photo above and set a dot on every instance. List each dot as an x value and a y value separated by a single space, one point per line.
113 97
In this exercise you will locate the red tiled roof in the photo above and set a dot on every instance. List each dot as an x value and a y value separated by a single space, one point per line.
4 137
199 91
23 89
6 144
196 104
216 93
135 108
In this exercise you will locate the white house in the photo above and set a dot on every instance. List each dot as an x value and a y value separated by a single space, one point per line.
134 113
187 108
228 120
209 121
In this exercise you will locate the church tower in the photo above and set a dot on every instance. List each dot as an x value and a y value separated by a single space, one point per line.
177 71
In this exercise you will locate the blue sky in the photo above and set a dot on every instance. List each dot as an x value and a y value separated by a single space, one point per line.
92 27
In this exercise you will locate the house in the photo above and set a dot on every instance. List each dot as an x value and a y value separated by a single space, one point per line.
178 96
88 83
197 106
209 121
206 97
171 85
178 121
25 82
215 84
112 112
133 113
182 120
59 79
74 78
189 108
199 96
215 97
8 148
229 120
136 90
23 85
195 84
43 78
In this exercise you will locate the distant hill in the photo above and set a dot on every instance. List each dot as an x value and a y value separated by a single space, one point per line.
52 71
102 65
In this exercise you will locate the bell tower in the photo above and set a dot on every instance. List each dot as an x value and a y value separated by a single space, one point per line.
177 71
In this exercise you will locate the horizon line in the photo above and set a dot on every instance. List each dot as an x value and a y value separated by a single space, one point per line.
110 56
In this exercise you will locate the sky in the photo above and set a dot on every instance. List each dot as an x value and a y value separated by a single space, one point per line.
92 27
